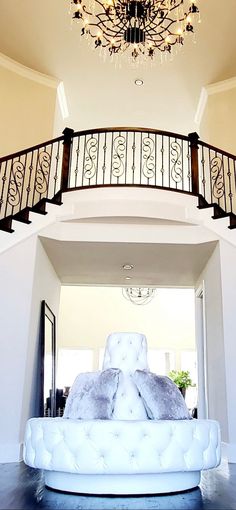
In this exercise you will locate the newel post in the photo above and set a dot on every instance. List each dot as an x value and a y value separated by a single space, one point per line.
193 138
68 136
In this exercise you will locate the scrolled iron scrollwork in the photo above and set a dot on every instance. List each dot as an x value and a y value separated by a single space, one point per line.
15 183
217 177
42 172
148 148
118 155
176 160
91 149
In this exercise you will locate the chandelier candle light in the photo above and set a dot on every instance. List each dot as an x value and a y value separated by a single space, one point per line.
137 27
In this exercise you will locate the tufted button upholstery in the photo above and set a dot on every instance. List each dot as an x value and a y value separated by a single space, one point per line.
127 351
121 447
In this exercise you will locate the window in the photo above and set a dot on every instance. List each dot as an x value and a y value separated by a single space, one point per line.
161 362
70 363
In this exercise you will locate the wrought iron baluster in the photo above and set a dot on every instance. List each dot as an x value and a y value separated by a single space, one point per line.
126 156
49 173
209 154
76 162
104 158
230 194
141 158
57 157
224 179
4 178
133 162
97 168
189 167
23 183
156 141
14 195
43 172
112 143
162 160
203 172
148 158
85 143
169 160
217 177
176 171
34 184
234 202
30 188
118 154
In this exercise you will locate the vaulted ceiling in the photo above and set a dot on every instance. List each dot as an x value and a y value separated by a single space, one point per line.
38 34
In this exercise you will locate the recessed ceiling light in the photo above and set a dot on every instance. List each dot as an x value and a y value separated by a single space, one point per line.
128 278
128 267
138 82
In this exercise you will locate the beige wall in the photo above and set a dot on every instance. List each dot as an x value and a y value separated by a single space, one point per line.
27 112
89 314
218 121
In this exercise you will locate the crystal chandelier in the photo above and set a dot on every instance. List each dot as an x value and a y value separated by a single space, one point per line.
139 295
136 27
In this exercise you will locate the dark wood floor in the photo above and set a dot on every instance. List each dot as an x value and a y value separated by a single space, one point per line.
22 488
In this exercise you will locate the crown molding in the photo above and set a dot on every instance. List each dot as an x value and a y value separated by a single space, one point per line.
201 107
209 90
26 72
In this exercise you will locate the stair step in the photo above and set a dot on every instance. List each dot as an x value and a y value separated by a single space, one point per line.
5 224
56 199
202 203
232 221
219 212
23 216
40 207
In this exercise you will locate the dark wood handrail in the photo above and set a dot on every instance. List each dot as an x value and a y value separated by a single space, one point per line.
30 149
84 159
130 129
215 149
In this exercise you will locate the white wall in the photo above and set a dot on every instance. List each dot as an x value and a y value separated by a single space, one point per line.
27 277
216 375
228 272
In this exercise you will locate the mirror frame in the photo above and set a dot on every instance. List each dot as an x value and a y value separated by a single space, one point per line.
46 313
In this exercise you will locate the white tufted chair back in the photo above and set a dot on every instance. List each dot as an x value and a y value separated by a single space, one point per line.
127 351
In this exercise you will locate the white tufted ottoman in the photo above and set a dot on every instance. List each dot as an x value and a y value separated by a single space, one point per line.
129 454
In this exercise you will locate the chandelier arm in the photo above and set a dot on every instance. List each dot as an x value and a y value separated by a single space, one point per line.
140 26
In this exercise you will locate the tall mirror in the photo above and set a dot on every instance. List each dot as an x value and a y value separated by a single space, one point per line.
48 365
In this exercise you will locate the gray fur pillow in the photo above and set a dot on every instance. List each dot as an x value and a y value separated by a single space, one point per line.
92 395
161 396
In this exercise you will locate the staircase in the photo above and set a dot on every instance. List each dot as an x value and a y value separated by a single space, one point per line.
116 157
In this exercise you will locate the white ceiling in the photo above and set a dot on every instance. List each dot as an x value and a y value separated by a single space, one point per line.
38 35
164 265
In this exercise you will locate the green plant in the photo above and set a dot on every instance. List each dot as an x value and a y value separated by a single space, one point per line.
181 378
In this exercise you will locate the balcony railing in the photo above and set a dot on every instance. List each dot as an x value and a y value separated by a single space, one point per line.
116 157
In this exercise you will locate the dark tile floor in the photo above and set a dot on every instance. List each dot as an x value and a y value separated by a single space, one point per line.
22 488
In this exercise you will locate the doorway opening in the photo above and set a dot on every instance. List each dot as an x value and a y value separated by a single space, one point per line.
89 314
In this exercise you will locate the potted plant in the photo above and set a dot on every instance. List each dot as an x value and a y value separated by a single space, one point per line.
182 379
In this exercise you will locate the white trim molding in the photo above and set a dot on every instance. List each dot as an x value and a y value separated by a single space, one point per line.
228 452
61 95
11 452
26 72
209 90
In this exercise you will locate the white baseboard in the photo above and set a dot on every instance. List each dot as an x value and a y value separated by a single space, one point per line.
228 451
11 452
